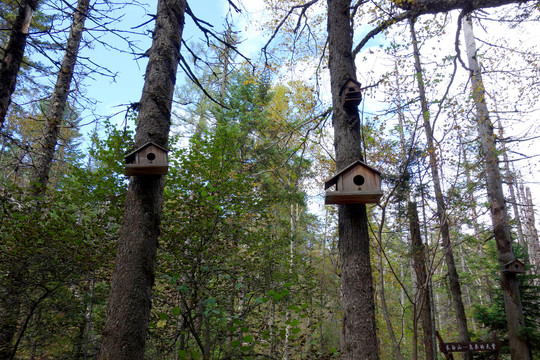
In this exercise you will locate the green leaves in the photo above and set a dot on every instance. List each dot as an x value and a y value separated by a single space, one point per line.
248 338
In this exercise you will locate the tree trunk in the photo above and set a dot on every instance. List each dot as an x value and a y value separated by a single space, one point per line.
455 288
57 103
423 299
511 181
531 233
128 311
381 289
10 305
519 347
88 319
385 312
485 279
9 68
225 57
294 217
359 337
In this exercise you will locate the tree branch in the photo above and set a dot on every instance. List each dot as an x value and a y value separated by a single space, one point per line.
380 28
205 28
187 70
424 7
304 8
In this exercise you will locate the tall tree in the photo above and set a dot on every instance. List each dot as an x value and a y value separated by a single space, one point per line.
512 184
13 54
124 335
531 233
359 336
55 114
10 304
520 347
442 215
58 101
419 256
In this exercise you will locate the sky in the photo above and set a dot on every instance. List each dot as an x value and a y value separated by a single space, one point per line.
113 95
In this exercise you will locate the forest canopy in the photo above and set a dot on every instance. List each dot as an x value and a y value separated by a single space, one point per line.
231 247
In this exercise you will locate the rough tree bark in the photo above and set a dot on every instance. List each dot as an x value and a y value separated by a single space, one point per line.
453 277
359 338
433 7
519 346
57 103
124 335
13 55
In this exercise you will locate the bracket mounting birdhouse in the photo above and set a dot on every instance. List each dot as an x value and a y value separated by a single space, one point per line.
516 267
350 93
149 159
358 183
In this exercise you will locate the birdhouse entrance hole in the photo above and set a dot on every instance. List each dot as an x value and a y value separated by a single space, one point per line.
359 180
151 156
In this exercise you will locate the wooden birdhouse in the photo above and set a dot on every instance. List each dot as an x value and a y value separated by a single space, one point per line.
350 93
515 266
358 183
149 159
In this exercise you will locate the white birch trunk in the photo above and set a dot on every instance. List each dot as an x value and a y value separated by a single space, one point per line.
520 348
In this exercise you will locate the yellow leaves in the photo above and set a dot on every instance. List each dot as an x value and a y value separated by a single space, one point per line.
161 324
250 81
407 4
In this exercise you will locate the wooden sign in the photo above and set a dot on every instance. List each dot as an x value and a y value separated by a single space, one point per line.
448 348
471 346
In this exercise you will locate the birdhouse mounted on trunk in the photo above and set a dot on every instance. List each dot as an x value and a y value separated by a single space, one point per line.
350 93
149 159
515 266
358 183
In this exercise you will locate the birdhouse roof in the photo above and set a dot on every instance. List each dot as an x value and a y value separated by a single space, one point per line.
146 145
514 261
333 180
347 82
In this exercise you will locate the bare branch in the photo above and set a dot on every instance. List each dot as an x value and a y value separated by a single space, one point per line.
191 75
234 6
456 43
380 28
304 8
424 7
205 27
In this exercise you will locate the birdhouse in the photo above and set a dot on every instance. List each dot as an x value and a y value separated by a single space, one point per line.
358 183
515 266
350 93
149 159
